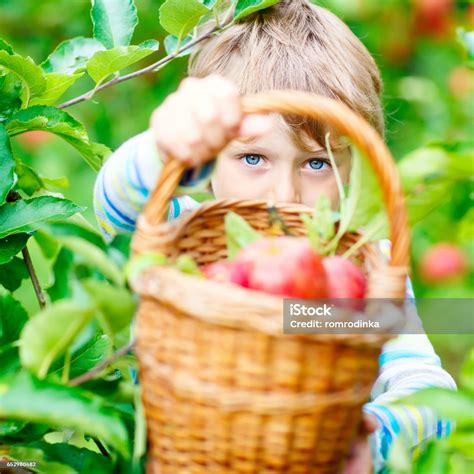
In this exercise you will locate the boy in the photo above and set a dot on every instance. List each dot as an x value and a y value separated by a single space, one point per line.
292 45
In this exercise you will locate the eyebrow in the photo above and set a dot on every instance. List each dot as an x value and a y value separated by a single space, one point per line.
241 143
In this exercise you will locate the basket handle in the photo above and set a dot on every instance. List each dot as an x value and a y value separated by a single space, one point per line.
347 123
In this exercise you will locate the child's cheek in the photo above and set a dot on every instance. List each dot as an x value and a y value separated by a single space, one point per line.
224 182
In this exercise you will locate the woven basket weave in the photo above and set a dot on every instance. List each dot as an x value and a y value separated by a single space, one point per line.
224 390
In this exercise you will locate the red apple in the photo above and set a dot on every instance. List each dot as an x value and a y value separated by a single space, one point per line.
345 280
34 139
443 261
225 271
284 266
434 17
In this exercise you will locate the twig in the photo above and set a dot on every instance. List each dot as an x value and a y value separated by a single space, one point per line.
12 197
97 369
34 278
276 219
101 447
89 94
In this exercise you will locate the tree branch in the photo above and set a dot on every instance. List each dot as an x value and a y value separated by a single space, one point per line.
99 368
34 278
101 447
12 197
152 67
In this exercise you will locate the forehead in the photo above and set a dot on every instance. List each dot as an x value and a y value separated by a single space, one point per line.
282 135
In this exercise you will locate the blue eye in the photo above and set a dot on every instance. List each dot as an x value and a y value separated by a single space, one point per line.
252 160
317 164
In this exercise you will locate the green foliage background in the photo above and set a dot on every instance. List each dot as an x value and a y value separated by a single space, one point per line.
428 97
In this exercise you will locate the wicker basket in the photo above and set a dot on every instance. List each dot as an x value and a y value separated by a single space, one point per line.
224 390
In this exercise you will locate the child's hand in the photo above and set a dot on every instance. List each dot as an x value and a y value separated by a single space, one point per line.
201 117
360 459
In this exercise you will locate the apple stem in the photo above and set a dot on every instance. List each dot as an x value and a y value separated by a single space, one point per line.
332 245
276 219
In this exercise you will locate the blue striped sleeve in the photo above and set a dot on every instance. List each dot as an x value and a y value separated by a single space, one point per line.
408 363
124 183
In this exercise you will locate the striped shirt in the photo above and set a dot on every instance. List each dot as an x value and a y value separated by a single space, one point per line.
407 363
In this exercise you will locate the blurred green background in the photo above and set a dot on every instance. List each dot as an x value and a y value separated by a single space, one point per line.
428 96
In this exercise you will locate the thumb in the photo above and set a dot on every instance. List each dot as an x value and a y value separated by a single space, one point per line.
369 423
255 125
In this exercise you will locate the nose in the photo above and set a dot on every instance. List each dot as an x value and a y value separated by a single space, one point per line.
285 189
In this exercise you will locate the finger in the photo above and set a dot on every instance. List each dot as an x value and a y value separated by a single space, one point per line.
360 461
369 423
170 140
164 133
228 101
206 113
255 125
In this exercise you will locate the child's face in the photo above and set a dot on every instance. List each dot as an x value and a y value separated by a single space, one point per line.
272 167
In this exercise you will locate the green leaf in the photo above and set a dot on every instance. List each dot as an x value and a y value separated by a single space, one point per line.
466 227
466 377
61 286
239 234
462 441
49 333
58 405
86 357
7 165
5 46
171 45
57 84
70 228
94 257
433 459
49 245
398 461
12 319
349 206
67 458
27 71
430 164
186 264
116 304
10 94
114 21
179 17
29 433
139 263
321 226
62 182
49 467
90 355
427 175
28 215
53 120
458 406
247 7
13 273
10 427
365 201
28 179
11 245
211 3
105 63
72 55
139 441
424 199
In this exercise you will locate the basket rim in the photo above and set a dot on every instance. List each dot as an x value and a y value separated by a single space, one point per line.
242 308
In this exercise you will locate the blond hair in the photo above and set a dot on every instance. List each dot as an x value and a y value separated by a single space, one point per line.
296 45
